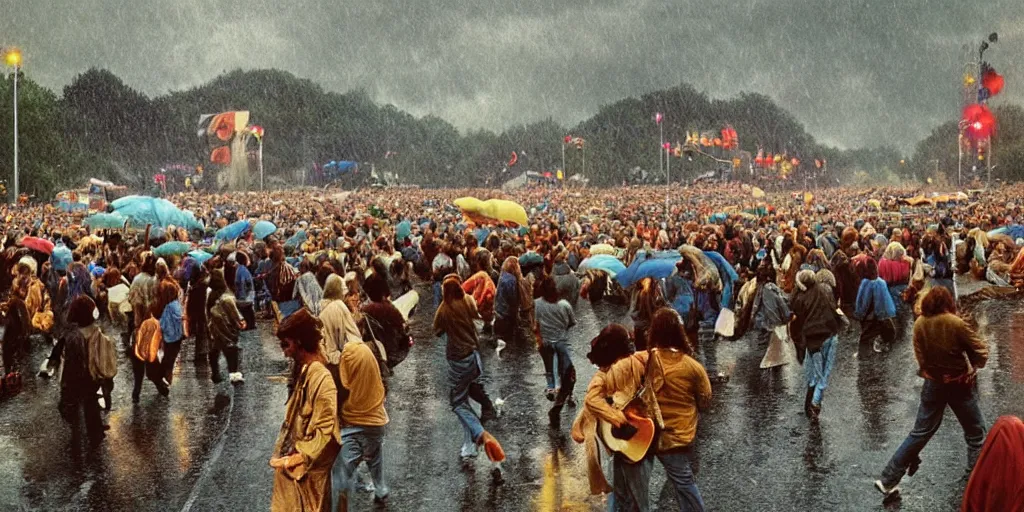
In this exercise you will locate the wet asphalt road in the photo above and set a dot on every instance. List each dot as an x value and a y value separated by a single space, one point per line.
206 447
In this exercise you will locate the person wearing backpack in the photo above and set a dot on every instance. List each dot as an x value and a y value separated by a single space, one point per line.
386 323
86 365
225 327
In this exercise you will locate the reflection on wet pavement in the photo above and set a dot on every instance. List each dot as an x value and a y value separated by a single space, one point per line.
207 446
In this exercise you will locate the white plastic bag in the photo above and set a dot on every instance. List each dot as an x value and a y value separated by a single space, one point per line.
726 323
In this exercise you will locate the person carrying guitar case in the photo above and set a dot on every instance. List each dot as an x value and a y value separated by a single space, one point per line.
667 424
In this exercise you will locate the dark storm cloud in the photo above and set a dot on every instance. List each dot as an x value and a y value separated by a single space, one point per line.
855 73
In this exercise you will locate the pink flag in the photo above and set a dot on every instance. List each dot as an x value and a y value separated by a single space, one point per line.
666 145
658 117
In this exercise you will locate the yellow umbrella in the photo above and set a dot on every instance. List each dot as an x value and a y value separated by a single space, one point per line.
505 211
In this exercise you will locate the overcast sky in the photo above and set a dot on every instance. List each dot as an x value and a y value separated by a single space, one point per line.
854 72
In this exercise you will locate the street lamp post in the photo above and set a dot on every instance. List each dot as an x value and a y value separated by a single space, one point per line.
13 59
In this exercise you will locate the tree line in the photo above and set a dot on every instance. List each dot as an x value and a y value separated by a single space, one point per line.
100 127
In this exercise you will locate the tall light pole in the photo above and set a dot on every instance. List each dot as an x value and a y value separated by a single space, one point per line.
13 59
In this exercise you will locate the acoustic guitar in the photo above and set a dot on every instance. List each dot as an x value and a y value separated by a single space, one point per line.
635 448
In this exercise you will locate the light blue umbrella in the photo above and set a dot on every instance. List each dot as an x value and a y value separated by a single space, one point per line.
658 265
143 210
263 229
233 230
605 262
200 256
172 248
106 221
402 230
296 239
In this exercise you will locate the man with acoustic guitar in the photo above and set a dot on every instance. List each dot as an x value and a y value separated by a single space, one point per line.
660 391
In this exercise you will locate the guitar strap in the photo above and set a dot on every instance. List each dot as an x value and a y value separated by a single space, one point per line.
649 400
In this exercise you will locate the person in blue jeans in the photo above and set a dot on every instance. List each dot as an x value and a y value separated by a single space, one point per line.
815 329
454 322
949 353
554 319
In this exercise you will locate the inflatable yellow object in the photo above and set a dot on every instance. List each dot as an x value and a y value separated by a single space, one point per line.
493 209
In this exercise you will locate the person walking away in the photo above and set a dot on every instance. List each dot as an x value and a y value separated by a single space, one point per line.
646 301
608 347
996 484
363 422
385 322
310 439
483 290
875 309
949 354
225 326
681 389
339 327
454 320
196 311
171 329
894 268
567 281
507 301
815 331
245 291
554 319
78 382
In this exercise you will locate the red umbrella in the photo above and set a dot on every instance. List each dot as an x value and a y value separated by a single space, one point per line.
37 244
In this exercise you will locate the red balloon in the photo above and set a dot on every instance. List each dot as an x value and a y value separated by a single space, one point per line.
993 82
979 121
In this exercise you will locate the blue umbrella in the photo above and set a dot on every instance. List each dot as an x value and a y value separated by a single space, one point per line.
658 265
172 248
530 258
106 221
296 239
143 210
263 229
402 230
605 262
233 230
1014 231
200 256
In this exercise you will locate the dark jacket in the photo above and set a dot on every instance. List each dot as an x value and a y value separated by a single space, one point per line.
567 283
816 318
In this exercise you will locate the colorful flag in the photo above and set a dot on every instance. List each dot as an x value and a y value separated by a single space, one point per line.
658 117
513 160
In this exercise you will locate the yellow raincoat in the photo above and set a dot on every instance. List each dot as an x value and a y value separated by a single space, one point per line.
310 428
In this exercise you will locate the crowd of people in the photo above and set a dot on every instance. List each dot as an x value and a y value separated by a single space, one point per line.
336 281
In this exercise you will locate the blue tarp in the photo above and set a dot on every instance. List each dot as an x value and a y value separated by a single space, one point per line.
106 221
605 262
172 248
233 230
1014 231
263 229
334 169
143 210
658 265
